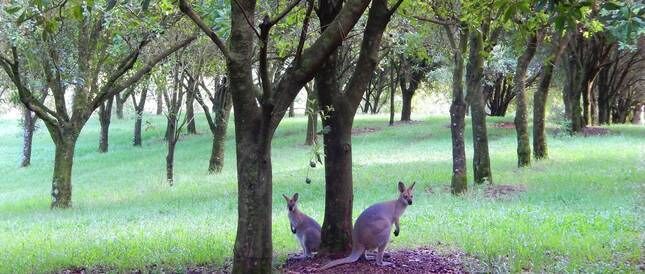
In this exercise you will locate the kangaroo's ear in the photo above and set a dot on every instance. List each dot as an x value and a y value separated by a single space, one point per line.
401 187
295 197
285 197
412 186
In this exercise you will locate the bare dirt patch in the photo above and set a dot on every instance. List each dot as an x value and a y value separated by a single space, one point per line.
586 131
594 131
504 125
503 191
405 123
364 130
498 192
422 260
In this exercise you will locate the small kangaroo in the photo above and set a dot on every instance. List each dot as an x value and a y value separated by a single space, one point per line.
373 226
307 230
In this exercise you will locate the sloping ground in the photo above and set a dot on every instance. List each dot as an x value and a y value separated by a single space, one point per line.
422 260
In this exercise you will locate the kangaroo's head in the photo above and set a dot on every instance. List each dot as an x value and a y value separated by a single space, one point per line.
405 194
291 202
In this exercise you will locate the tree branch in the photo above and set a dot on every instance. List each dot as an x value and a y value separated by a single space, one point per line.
112 89
186 9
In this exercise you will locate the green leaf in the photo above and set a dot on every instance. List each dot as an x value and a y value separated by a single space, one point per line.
13 9
51 26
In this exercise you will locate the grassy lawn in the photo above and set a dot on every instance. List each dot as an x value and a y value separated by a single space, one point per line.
582 209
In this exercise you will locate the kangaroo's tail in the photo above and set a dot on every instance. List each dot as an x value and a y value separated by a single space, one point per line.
356 253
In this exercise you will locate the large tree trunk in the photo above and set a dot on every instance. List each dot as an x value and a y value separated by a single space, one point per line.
474 71
337 225
222 113
28 127
336 233
292 111
459 182
521 112
253 250
105 117
65 142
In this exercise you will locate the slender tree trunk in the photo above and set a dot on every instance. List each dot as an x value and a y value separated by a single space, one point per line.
65 143
540 98
170 156
159 110
170 162
638 112
119 106
586 106
105 117
474 71
459 182
392 92
28 127
312 117
190 110
137 130
406 109
139 107
521 112
216 162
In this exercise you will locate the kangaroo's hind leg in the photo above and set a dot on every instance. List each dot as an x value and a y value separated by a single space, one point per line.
379 256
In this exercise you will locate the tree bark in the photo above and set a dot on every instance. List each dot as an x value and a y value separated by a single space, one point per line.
216 162
159 109
474 71
105 117
292 111
521 112
190 110
540 97
170 160
28 127
336 230
406 107
138 108
119 106
65 142
337 226
459 181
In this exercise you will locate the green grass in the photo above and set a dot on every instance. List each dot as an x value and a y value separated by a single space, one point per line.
582 212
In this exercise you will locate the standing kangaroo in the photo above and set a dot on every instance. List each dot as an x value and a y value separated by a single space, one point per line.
307 230
373 226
